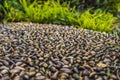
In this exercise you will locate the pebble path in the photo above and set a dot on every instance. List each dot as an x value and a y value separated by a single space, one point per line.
55 52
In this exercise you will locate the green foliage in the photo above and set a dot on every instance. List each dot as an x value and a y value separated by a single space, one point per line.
48 12
118 31
112 5
54 12
12 12
99 20
0 12
108 5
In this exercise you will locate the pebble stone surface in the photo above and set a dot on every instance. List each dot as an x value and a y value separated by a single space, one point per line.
55 52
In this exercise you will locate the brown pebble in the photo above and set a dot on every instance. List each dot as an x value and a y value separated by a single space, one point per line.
92 74
65 62
32 73
18 78
45 65
20 68
92 63
40 78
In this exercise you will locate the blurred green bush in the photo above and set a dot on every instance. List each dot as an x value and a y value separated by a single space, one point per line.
108 5
56 12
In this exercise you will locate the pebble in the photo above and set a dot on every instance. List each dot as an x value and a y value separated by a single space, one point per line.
99 78
4 71
76 76
14 70
18 78
25 77
85 73
66 70
86 78
18 63
32 51
6 63
32 73
102 73
40 78
5 78
38 74
19 68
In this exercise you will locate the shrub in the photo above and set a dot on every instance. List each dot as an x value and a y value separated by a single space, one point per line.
54 12
111 6
11 11
47 12
99 20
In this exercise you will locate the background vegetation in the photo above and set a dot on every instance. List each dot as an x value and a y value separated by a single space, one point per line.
96 15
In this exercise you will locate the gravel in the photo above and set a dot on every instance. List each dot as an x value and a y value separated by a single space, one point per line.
31 51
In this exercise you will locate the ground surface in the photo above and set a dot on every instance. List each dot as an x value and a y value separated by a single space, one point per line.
55 52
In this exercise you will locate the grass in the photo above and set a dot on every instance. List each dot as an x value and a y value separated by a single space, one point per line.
53 12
